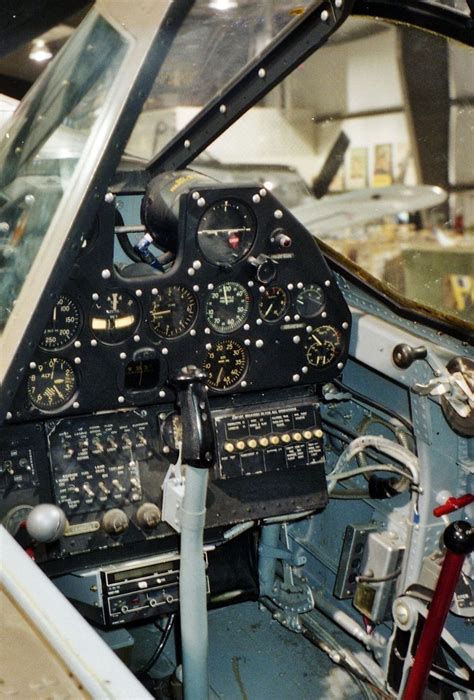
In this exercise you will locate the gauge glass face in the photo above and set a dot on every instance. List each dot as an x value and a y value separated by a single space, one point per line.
52 385
273 304
114 317
225 364
226 232
324 346
173 311
63 325
310 301
227 307
141 375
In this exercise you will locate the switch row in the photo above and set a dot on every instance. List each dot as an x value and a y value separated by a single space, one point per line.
272 440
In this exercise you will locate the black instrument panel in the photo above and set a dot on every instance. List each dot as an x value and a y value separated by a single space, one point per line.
249 298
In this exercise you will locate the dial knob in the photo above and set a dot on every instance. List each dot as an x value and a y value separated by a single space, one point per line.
115 521
148 516
46 523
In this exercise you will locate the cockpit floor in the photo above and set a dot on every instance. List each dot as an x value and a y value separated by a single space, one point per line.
252 657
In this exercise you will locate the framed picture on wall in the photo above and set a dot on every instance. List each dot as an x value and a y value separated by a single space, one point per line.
357 176
383 165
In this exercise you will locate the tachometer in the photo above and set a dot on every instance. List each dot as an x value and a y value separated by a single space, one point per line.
226 231
173 311
227 307
226 363
52 384
324 346
63 325
114 317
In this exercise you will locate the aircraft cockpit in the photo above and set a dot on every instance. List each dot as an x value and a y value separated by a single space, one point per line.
236 354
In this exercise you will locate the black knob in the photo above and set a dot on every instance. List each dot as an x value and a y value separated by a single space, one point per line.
198 436
404 355
459 537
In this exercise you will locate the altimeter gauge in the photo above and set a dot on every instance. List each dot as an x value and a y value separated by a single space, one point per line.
225 364
114 317
173 311
324 346
227 307
63 325
273 304
52 384
226 231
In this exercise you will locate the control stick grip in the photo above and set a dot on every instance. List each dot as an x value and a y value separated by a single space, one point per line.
198 436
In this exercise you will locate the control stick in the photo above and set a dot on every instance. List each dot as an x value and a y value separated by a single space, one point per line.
198 455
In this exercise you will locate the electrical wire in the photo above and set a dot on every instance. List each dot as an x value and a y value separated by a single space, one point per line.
372 468
379 579
375 404
161 645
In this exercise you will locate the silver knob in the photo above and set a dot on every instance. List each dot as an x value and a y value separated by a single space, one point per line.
46 523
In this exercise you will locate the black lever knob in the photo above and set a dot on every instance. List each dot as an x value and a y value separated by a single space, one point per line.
404 355
198 435
266 268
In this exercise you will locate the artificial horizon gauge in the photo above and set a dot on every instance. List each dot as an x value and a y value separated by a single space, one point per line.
227 307
324 346
52 384
173 311
225 364
114 317
63 325
273 304
310 301
226 231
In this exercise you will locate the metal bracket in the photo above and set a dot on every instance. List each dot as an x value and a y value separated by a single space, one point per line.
292 600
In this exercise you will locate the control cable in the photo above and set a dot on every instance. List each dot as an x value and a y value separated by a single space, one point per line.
159 649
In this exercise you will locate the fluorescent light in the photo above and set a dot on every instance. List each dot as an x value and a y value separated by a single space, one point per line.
222 5
40 51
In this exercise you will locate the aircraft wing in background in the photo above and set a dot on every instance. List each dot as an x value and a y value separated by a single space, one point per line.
330 216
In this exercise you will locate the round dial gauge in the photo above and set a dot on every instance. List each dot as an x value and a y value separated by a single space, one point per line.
52 385
310 301
114 317
324 346
226 231
227 307
273 304
226 363
173 311
63 325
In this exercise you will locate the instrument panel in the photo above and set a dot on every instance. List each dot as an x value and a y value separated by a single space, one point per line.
249 299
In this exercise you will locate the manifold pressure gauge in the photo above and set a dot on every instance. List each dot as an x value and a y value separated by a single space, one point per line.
52 384
225 364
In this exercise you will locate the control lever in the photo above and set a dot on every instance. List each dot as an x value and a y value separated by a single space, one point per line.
197 453
46 522
198 436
